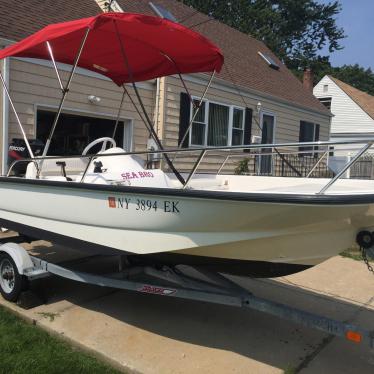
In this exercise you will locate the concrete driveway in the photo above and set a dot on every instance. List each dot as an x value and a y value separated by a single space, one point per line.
153 334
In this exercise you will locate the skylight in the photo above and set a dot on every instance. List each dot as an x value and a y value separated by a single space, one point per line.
269 61
162 12
113 6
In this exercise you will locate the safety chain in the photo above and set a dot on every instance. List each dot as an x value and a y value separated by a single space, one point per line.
366 260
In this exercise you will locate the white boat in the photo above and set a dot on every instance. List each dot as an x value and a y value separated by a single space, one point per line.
111 203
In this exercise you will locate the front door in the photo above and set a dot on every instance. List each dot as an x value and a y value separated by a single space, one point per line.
268 122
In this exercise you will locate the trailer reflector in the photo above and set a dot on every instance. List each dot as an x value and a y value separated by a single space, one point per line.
353 336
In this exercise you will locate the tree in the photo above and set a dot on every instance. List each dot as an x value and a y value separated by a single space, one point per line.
355 75
295 30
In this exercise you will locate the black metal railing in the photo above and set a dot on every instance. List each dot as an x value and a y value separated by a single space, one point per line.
289 165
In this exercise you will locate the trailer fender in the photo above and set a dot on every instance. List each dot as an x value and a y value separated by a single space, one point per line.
19 256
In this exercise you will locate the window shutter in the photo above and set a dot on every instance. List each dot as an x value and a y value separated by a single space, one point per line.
247 128
302 135
316 133
302 132
184 118
264 134
316 138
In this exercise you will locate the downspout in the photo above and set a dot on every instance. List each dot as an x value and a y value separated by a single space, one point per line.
162 111
5 119
162 107
157 106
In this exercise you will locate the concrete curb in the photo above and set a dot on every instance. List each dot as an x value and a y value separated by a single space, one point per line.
76 344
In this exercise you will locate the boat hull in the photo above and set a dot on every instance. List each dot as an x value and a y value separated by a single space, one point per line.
182 226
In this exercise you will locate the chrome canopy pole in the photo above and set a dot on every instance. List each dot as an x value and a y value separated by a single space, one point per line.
223 164
155 136
148 122
193 171
134 105
64 93
345 168
197 110
317 163
16 114
54 65
179 74
119 113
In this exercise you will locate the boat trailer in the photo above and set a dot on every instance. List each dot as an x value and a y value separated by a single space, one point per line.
17 267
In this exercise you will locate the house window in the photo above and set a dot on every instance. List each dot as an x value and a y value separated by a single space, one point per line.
326 101
309 132
325 88
217 125
112 6
162 12
199 125
237 127
269 61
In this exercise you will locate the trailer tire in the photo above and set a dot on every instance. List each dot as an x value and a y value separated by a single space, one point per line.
12 283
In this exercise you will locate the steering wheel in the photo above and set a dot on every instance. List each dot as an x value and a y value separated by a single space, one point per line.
104 140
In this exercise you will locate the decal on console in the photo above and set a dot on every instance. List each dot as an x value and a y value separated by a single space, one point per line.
137 175
17 149
112 202
157 290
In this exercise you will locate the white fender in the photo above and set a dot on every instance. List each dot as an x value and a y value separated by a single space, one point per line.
19 256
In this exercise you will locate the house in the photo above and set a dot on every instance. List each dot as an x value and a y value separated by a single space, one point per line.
254 98
353 111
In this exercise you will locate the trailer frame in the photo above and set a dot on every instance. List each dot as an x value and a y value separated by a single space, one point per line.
203 285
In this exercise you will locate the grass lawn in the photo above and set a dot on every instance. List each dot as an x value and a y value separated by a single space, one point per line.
28 349
353 253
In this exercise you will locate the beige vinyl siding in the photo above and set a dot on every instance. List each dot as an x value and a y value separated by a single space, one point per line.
287 118
33 85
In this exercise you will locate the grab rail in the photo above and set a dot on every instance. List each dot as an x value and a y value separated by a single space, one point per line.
346 167
204 150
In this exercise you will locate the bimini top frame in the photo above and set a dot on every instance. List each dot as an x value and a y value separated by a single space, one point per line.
142 48
177 282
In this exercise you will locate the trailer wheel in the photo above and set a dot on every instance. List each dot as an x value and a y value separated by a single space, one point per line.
12 283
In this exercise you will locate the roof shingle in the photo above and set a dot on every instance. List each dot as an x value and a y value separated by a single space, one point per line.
362 99
243 64
23 18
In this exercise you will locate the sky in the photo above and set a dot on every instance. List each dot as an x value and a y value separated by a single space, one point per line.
357 20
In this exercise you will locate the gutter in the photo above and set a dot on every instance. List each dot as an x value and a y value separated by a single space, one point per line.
157 105
224 85
5 120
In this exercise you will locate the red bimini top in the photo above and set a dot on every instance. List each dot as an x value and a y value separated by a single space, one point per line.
124 47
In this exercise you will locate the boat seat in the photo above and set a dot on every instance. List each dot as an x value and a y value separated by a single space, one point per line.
74 166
